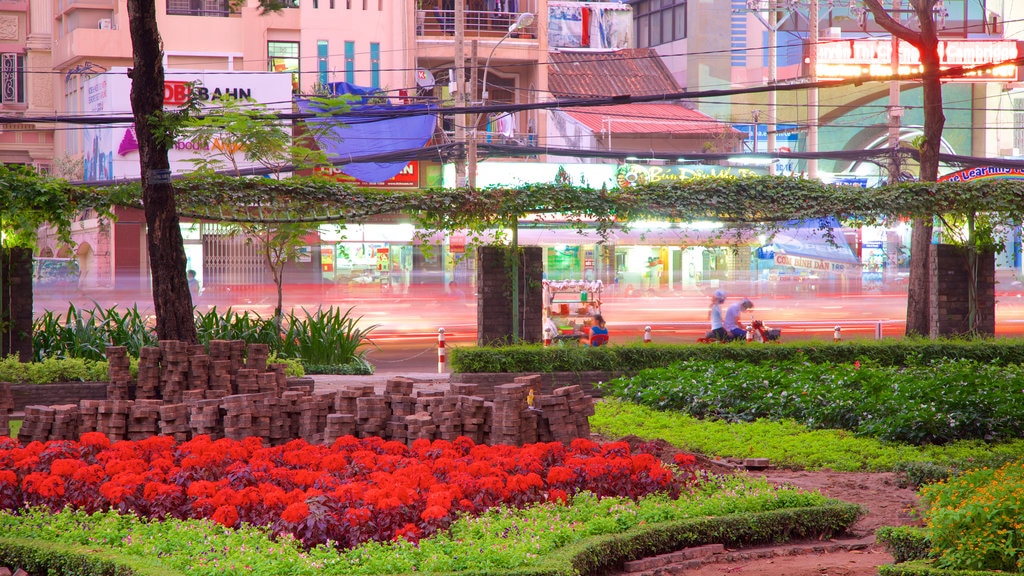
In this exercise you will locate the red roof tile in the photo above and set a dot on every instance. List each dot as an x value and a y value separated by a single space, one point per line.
648 119
634 72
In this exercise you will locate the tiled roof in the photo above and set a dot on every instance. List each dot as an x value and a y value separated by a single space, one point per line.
652 118
634 72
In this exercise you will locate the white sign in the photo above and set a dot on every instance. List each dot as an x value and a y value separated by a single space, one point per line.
112 152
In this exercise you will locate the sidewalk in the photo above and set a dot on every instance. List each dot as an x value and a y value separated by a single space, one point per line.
421 380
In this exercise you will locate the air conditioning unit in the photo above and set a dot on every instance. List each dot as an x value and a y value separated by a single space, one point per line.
105 24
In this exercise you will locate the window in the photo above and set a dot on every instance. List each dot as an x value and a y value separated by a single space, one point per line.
220 8
12 78
284 57
322 63
350 62
375 64
659 22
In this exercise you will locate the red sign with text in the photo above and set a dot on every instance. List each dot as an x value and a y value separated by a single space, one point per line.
409 177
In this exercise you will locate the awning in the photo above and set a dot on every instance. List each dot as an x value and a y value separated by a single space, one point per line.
805 244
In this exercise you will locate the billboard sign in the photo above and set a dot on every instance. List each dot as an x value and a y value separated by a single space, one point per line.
872 58
110 152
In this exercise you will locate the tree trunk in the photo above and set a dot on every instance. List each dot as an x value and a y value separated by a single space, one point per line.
172 300
926 40
919 306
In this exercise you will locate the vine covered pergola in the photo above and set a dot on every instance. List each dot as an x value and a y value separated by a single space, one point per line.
765 201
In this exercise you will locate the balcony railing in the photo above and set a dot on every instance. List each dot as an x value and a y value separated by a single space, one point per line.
478 23
216 8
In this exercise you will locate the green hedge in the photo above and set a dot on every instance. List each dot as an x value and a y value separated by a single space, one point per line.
636 357
597 555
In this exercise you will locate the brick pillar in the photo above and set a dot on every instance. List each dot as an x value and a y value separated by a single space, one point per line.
494 288
16 302
950 284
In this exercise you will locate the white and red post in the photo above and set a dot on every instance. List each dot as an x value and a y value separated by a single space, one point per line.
442 358
647 335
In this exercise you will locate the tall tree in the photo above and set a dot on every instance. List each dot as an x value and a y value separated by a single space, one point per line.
172 300
927 43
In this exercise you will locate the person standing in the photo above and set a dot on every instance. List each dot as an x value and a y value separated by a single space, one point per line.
715 315
732 318
193 285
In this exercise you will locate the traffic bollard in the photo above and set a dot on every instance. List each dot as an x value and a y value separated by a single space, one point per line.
837 335
750 332
647 335
547 337
442 360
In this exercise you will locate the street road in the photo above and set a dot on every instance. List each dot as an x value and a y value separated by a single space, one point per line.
406 333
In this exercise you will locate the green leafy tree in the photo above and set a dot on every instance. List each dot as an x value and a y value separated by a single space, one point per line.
231 129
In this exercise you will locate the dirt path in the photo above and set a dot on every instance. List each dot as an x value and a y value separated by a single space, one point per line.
853 554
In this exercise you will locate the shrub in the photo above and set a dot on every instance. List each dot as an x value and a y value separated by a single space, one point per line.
936 403
974 519
904 543
633 357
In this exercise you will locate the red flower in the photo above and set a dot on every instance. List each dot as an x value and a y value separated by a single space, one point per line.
558 496
409 532
226 515
295 513
856 364
433 513
684 459
357 516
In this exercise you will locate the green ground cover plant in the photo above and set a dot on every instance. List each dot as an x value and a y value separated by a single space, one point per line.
790 444
931 403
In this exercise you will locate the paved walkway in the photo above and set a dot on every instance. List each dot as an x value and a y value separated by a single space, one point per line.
424 380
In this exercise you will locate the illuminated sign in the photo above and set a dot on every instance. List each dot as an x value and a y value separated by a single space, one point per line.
409 177
858 58
983 172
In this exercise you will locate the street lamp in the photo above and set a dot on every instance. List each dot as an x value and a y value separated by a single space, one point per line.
521 21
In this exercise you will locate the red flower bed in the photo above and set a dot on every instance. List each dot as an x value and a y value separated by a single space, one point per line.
347 493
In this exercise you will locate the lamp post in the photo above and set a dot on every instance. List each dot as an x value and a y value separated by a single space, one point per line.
521 21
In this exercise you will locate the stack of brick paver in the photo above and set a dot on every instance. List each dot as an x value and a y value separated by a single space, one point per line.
507 421
186 390
204 418
174 421
174 370
37 424
66 422
112 418
371 416
143 419
119 371
148 386
313 411
399 403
